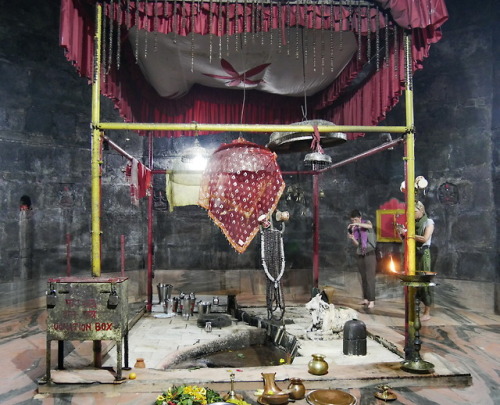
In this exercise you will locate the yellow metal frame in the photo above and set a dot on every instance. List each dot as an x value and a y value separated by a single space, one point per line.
98 127
96 148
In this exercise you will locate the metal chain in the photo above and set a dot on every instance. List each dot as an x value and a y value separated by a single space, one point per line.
273 262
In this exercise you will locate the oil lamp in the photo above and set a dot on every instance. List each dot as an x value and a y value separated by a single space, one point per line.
413 362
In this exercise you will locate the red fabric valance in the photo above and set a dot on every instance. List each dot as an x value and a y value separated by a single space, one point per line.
340 102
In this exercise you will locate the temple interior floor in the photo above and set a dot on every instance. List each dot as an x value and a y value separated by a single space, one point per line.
462 343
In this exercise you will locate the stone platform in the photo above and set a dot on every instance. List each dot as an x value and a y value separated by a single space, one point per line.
160 340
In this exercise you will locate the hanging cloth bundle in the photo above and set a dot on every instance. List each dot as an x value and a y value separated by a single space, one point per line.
242 182
139 177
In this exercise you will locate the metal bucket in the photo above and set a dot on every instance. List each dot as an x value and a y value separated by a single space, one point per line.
164 292
204 307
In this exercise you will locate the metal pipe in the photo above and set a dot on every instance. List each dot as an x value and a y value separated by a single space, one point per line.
68 255
410 163
117 148
96 149
380 148
96 160
60 354
409 160
97 350
362 155
344 3
134 126
149 304
315 230
122 255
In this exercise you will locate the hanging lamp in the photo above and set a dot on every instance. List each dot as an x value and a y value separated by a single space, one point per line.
287 142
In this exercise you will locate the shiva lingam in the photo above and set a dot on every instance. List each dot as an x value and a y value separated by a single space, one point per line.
414 363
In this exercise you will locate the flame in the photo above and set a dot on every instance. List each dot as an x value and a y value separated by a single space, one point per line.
392 266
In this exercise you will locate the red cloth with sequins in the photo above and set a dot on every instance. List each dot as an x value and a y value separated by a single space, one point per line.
242 182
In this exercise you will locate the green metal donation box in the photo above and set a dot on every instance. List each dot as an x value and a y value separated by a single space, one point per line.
91 308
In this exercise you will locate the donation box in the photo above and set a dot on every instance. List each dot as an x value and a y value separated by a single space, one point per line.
88 308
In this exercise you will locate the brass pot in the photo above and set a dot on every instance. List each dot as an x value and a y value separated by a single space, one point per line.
297 389
318 365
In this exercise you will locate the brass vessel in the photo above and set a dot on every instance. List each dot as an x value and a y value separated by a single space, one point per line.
297 389
318 365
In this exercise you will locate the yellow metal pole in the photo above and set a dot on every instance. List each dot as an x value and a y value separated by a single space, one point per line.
131 126
96 149
410 258
410 160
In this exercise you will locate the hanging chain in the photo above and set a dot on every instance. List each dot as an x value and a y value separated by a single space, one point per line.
193 4
377 41
104 58
273 262
110 37
136 24
155 25
118 35
332 31
210 33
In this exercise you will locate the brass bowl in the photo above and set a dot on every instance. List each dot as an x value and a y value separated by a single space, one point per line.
330 397
279 398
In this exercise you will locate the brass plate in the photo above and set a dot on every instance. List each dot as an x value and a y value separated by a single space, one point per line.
420 277
330 397
262 401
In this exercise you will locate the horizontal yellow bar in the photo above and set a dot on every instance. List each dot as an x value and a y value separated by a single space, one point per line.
246 127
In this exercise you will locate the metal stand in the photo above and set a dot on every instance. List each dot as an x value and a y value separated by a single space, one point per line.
232 395
414 363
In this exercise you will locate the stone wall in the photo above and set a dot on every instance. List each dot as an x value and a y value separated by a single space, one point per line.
45 155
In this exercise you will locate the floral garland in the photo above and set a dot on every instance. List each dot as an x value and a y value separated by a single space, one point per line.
192 395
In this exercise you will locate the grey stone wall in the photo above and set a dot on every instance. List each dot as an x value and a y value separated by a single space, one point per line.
45 154
455 141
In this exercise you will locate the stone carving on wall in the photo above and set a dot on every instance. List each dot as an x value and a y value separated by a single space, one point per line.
66 197
448 194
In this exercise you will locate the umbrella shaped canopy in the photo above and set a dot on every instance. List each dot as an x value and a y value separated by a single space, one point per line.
242 182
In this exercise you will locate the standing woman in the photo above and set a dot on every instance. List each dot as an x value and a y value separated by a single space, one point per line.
361 232
424 228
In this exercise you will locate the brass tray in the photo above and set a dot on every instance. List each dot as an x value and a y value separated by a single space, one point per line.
262 400
330 397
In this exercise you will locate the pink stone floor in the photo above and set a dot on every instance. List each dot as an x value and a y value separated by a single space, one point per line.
459 336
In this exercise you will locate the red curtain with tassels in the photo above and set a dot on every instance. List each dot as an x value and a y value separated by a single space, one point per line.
340 102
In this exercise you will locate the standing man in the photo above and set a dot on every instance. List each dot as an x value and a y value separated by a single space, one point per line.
424 228
361 232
